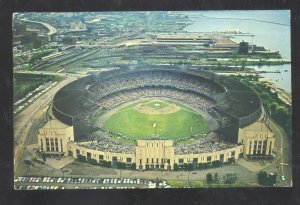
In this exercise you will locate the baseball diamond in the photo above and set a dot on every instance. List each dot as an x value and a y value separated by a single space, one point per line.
173 120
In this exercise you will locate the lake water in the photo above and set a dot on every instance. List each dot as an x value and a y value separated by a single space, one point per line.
270 29
282 80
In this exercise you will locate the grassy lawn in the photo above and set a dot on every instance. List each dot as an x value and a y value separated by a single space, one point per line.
138 125
181 184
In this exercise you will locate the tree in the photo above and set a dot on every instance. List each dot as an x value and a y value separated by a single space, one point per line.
217 163
265 179
281 111
243 65
190 167
231 160
243 47
176 167
44 157
230 178
105 163
121 165
92 161
216 177
209 178
272 179
262 177
186 166
194 166
273 107
203 165
81 158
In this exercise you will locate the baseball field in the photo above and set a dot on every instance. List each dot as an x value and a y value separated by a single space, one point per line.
166 118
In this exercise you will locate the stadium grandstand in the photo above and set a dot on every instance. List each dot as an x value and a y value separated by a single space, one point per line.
234 106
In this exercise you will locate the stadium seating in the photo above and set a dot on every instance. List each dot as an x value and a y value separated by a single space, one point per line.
202 89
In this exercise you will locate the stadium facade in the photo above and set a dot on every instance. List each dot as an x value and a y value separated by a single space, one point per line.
243 130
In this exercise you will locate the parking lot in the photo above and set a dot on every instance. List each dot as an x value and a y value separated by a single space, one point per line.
53 183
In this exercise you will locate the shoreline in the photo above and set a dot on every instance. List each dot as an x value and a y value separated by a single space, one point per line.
283 94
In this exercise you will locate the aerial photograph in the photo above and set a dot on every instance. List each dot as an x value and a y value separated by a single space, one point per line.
152 99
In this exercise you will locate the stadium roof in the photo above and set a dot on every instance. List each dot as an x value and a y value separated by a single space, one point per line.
55 124
257 126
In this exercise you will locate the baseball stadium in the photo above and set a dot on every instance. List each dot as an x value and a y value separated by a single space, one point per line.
158 117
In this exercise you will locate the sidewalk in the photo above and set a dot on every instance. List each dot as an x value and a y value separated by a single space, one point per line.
254 166
59 163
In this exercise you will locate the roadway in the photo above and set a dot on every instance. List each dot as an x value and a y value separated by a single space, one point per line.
25 119
84 185
50 73
285 167
51 29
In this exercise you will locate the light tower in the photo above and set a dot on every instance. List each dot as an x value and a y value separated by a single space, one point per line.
252 36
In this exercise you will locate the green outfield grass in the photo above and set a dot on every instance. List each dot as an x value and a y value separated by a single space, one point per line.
130 122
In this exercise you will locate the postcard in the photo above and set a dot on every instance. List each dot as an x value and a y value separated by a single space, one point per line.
160 99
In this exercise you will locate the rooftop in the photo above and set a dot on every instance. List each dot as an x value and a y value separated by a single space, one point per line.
183 36
55 124
257 126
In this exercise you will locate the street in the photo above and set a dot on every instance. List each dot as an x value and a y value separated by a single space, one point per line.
284 145
24 120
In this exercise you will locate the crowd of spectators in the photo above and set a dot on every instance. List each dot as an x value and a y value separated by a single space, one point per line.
209 143
130 80
226 121
223 102
107 144
101 141
112 89
192 98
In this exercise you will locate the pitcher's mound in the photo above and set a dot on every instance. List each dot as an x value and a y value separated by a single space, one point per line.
171 108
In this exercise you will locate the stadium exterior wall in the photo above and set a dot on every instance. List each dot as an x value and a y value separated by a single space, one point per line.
63 117
244 121
75 150
142 153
